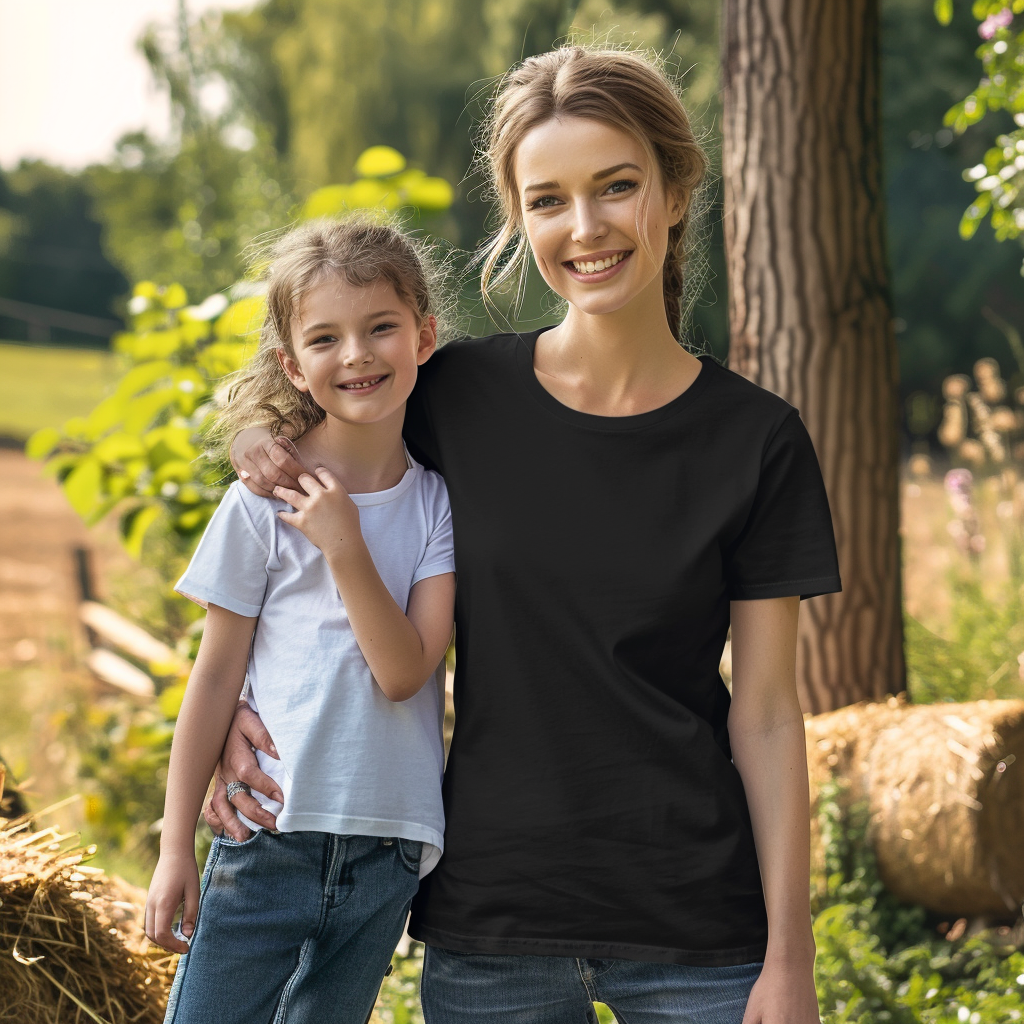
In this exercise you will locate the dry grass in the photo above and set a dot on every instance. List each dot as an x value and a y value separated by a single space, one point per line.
72 944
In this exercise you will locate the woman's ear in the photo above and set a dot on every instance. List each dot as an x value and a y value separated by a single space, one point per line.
677 207
291 369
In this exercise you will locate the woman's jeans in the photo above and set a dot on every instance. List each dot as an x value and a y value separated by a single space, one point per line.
473 988
295 927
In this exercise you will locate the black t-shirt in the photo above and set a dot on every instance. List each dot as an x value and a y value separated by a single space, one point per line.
592 806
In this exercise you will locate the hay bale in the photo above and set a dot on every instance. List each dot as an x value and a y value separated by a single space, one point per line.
944 786
72 943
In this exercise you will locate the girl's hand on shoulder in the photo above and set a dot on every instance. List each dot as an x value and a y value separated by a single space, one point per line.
175 881
324 512
264 462
783 994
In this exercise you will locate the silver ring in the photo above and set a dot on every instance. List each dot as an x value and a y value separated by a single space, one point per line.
234 788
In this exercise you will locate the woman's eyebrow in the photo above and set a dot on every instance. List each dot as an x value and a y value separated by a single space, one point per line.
596 177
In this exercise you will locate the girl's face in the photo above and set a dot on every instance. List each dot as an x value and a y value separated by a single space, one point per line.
357 349
579 183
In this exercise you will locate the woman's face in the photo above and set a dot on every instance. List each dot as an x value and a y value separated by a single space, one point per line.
579 184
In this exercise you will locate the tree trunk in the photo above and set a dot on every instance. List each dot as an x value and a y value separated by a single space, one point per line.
809 305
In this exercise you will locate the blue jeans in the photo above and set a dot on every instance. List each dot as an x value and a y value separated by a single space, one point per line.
295 927
470 988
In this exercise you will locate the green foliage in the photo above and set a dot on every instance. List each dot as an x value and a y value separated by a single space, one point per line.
877 960
978 660
140 449
999 178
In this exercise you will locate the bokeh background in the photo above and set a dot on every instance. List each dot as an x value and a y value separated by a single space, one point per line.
144 144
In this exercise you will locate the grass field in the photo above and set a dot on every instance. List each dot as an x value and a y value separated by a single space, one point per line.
43 387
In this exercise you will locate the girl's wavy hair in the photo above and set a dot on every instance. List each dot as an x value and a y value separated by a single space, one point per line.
361 249
628 90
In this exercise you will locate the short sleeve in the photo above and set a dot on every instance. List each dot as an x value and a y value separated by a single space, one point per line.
229 568
439 554
787 546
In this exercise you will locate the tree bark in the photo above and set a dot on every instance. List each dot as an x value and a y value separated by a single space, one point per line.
809 304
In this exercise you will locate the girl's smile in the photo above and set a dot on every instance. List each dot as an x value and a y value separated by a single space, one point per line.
597 266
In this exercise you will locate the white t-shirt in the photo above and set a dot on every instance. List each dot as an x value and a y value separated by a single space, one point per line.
351 761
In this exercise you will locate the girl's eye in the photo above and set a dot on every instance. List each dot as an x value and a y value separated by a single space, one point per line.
323 338
621 186
382 328
542 203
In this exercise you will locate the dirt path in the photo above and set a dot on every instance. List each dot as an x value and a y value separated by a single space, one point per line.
41 641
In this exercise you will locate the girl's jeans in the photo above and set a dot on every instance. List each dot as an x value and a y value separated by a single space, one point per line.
472 988
295 927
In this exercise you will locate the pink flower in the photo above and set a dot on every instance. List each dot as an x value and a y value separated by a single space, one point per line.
994 22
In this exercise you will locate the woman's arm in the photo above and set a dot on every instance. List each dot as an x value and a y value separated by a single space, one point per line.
766 731
402 648
210 700
264 462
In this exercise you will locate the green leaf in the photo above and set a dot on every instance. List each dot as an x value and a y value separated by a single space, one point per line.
134 526
83 486
242 318
106 415
326 202
143 411
170 700
944 11
380 162
174 297
118 448
138 378
42 442
431 194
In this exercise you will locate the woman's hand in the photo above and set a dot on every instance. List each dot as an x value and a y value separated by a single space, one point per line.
238 764
784 993
265 462
175 881
324 512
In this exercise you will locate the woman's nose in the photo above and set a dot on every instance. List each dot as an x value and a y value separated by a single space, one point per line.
587 223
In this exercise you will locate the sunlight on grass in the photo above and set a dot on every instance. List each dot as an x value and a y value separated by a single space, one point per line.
43 387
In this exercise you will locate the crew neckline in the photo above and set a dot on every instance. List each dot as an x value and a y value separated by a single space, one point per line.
381 497
637 421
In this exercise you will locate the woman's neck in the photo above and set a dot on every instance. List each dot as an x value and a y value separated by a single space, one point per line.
365 457
615 364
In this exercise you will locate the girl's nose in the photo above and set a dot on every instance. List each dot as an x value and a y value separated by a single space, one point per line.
355 354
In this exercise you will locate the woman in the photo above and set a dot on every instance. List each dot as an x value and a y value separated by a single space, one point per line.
616 828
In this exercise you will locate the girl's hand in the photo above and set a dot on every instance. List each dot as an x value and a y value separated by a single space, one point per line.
324 512
265 461
175 881
238 763
784 994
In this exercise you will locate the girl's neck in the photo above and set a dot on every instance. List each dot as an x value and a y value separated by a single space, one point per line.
618 363
365 457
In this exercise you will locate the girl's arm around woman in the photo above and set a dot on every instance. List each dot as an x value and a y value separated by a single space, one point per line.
210 699
766 731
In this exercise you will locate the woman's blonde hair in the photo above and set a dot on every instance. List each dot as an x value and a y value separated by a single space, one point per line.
625 89
361 249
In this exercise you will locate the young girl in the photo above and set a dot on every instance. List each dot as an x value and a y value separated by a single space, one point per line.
618 828
336 611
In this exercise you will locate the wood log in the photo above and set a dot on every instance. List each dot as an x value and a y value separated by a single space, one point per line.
116 672
944 786
132 639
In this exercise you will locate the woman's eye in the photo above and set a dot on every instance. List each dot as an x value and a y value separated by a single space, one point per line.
621 186
542 203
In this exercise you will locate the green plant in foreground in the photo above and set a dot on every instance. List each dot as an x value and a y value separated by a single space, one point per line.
879 963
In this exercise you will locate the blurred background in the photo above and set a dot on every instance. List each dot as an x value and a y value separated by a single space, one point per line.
144 144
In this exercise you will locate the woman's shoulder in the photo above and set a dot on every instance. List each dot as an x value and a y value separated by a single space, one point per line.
746 403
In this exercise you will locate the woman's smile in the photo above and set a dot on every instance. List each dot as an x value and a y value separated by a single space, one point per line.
597 267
